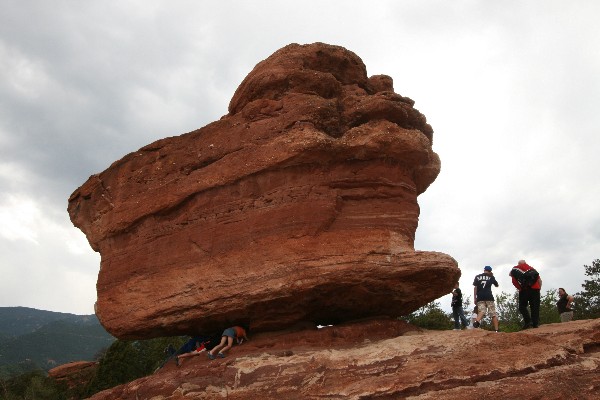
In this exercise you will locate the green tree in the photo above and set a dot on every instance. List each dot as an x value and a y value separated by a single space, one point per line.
548 311
587 302
31 385
127 360
430 316
123 362
507 309
468 306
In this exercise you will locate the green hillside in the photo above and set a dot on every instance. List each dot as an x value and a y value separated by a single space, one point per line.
50 340
17 321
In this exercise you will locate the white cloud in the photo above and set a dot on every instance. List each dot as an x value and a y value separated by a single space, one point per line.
46 262
24 76
19 218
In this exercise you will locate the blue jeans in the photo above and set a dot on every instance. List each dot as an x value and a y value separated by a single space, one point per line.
457 312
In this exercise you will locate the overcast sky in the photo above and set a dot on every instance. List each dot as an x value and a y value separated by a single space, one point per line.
511 88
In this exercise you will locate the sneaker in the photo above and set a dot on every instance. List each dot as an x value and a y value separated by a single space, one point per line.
456 329
526 326
211 356
221 355
476 324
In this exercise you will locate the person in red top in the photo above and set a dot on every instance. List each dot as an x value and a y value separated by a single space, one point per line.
528 296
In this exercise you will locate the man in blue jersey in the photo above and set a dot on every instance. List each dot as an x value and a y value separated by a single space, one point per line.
484 299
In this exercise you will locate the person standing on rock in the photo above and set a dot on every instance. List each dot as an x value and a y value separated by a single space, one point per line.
235 332
457 309
564 305
484 299
528 282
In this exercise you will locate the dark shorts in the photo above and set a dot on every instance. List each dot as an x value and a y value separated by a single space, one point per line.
229 332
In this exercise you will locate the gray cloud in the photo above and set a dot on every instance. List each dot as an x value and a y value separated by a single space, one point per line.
510 89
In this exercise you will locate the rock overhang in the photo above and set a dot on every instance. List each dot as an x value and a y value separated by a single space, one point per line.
300 204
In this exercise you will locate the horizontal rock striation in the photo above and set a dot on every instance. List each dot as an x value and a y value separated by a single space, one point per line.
298 205
386 359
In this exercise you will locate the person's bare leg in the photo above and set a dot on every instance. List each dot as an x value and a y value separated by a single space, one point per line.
478 318
495 322
219 346
186 355
229 344
190 354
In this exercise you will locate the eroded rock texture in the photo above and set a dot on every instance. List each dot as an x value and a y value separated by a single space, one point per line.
298 205
74 374
385 359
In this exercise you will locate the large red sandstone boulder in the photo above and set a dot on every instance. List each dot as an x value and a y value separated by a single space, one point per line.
386 359
298 205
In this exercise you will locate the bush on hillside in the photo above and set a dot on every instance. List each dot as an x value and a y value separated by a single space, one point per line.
127 360
32 385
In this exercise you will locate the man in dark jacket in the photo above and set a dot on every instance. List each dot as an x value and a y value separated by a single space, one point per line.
529 295
457 309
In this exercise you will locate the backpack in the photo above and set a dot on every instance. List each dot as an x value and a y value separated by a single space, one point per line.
525 278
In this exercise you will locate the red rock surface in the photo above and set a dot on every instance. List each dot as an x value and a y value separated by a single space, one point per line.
387 359
298 205
77 373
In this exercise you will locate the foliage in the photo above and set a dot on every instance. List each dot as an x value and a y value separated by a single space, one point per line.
587 302
122 362
430 316
467 305
507 309
127 360
32 385
548 310
33 339
12 370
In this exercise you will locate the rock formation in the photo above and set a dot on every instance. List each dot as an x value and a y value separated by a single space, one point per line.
298 205
385 359
74 374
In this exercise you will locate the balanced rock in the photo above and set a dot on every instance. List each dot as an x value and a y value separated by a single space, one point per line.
298 205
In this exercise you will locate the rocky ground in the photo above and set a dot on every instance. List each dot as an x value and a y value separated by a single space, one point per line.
388 359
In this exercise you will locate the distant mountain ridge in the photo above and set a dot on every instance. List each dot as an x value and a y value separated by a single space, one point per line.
17 321
44 339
